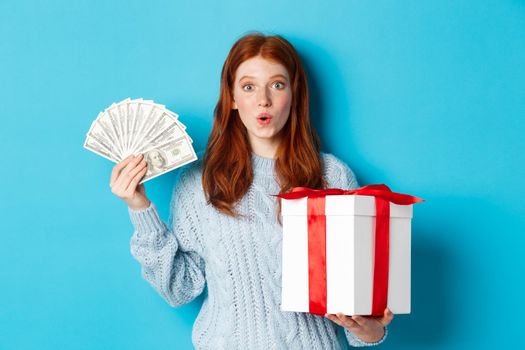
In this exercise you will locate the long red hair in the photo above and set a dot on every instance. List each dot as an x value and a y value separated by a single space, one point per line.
227 167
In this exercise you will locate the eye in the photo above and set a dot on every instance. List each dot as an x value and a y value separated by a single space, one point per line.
278 85
247 87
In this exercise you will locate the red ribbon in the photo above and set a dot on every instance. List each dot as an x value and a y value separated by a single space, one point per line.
317 240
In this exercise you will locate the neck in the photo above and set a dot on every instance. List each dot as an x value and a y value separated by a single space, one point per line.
265 148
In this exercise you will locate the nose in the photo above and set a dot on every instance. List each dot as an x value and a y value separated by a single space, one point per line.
264 99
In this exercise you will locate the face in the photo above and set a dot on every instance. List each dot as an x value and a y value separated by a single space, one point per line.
262 94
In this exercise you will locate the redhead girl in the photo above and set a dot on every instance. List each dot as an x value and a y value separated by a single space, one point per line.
224 233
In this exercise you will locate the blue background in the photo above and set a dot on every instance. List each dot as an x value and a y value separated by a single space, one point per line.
426 96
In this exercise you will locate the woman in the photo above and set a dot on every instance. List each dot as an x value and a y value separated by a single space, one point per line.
225 230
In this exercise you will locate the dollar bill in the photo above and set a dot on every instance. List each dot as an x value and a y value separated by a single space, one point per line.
104 136
110 129
122 108
146 116
164 131
168 157
172 114
135 119
114 120
92 145
134 126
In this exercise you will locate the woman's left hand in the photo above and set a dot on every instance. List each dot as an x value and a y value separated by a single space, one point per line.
369 329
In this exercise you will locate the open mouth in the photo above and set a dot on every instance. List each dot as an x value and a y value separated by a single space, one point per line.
264 120
264 117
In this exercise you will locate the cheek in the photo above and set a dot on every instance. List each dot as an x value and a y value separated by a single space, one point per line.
284 102
244 108
243 102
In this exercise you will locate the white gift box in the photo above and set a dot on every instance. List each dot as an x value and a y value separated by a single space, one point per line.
350 233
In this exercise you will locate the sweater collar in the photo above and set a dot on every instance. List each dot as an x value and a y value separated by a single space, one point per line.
262 165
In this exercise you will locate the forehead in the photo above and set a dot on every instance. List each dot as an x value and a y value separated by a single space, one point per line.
259 67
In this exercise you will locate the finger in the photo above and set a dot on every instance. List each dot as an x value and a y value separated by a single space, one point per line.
117 187
132 164
123 179
347 321
334 319
129 187
118 167
360 320
387 318
133 184
128 177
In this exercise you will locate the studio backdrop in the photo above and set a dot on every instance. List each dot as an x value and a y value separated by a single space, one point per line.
425 96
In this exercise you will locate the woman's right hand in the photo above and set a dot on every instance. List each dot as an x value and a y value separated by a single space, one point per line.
124 179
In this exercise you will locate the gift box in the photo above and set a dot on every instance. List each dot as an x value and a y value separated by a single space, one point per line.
346 251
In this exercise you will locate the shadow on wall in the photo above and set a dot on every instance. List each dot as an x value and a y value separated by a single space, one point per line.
428 322
320 85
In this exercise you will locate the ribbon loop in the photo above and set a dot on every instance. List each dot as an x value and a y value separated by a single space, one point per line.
377 190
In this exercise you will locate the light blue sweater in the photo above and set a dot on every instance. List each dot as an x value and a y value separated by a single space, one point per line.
238 260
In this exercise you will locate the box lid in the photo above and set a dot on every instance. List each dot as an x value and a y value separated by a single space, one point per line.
345 205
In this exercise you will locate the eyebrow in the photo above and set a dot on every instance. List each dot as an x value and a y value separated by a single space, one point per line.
273 76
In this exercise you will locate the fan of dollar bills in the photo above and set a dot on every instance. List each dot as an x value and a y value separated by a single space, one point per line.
141 126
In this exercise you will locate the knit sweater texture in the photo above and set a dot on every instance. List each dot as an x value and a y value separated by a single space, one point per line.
236 262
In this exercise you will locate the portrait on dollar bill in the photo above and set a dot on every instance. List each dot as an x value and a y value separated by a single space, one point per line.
156 161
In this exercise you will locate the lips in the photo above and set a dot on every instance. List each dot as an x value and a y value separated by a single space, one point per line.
264 118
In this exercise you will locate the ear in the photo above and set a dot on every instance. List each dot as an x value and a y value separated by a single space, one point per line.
234 105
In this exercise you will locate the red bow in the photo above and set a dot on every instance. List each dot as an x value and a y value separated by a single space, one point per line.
317 240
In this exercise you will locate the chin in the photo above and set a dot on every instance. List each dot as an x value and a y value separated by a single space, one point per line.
266 135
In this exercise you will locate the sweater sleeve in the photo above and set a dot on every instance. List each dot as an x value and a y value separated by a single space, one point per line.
356 342
169 256
340 175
